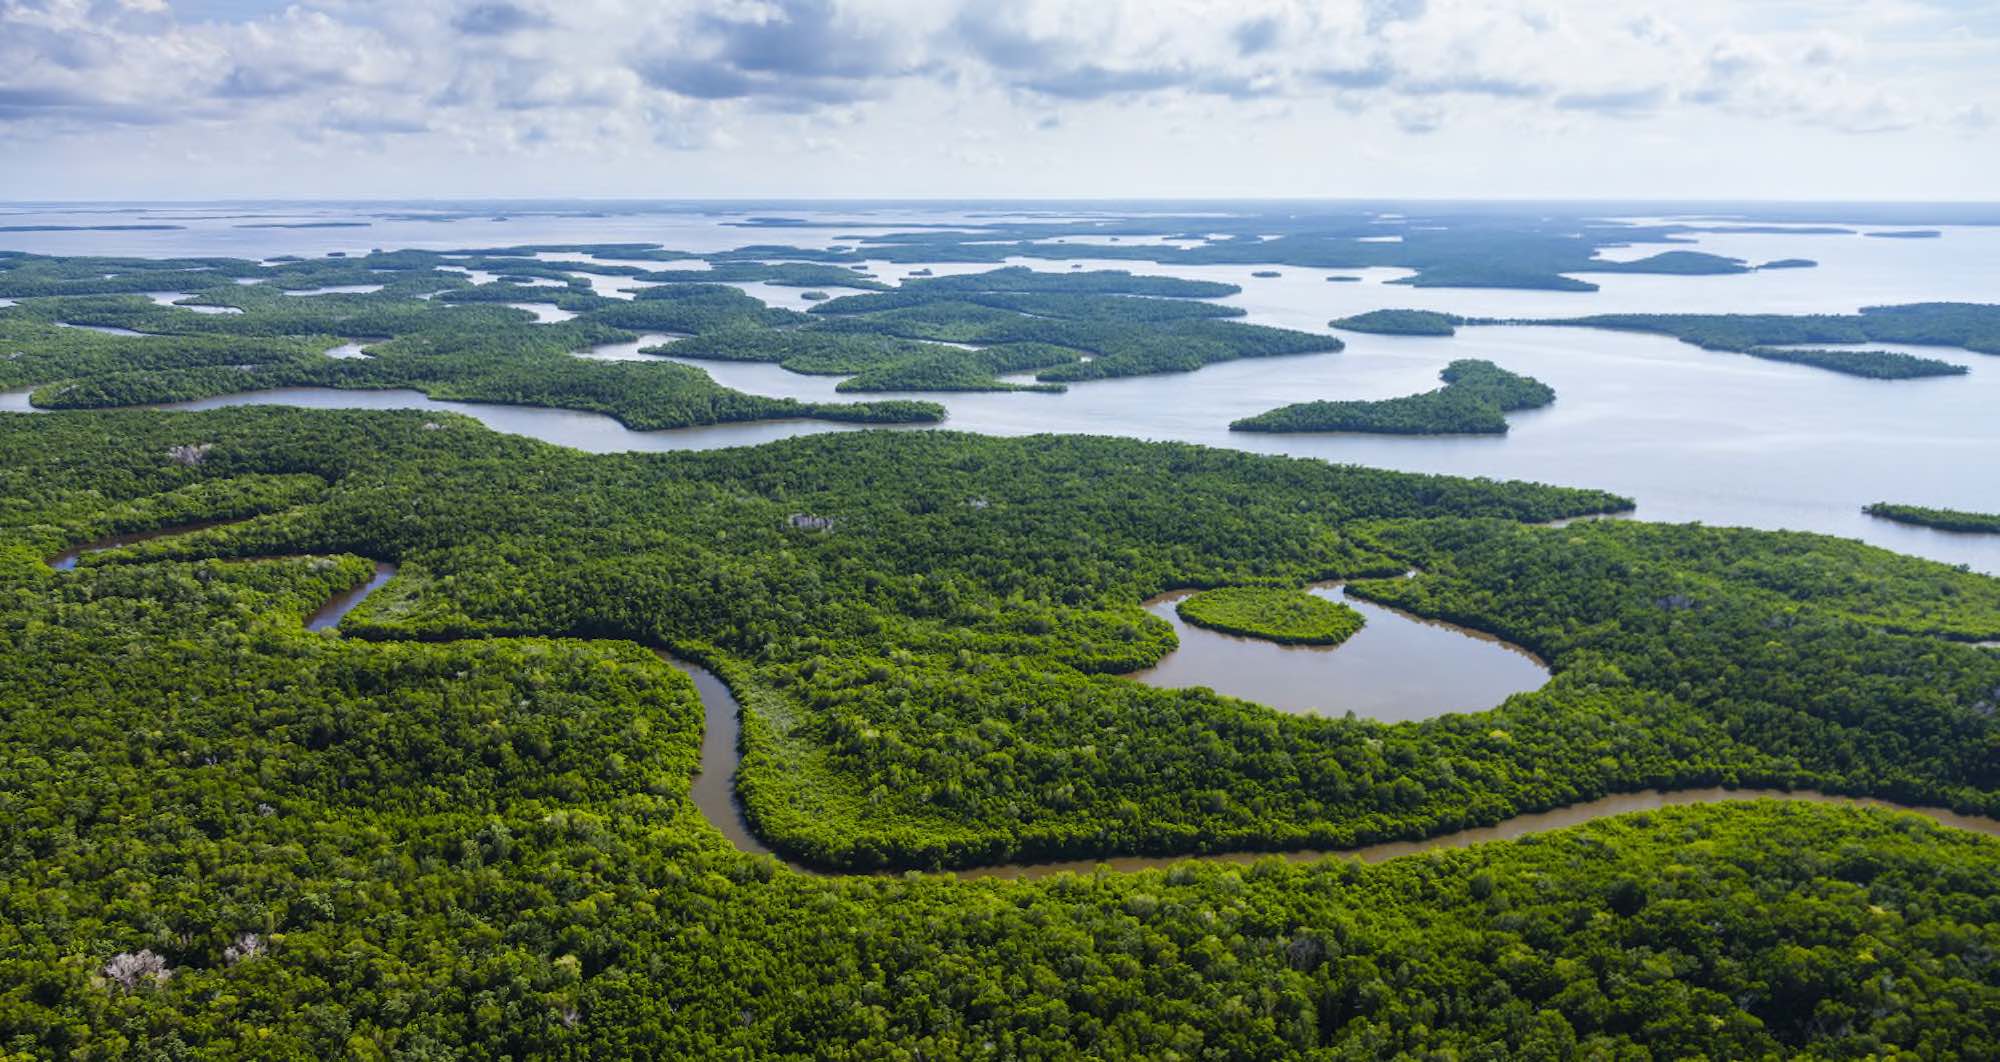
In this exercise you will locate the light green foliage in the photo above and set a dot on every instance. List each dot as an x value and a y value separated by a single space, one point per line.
1271 613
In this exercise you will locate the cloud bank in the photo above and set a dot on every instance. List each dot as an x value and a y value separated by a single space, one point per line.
965 85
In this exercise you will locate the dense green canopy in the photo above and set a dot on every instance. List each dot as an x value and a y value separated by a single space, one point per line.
458 831
1475 400
1273 613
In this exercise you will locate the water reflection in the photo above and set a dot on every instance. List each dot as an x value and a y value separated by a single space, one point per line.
590 432
714 789
1691 434
328 616
630 349
1397 668
339 289
109 330
545 312
172 299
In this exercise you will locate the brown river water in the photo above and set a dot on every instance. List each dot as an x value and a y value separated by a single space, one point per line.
714 790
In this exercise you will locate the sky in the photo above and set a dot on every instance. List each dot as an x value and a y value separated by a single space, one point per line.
1690 99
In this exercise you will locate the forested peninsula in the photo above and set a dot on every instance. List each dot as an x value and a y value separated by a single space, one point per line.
1793 338
93 334
1941 519
1475 400
1441 248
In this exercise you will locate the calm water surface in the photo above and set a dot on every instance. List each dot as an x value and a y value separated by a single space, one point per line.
328 616
1397 668
715 784
715 795
545 312
590 432
629 351
172 299
339 289
1691 434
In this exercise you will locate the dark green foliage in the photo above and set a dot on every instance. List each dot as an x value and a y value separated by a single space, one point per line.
967 614
1401 323
782 274
1444 248
963 370
1678 263
1022 280
1972 326
1486 274
477 351
1271 613
577 297
1942 519
1475 400
1873 364
376 847
1126 324
801 350
876 362
692 308
952 605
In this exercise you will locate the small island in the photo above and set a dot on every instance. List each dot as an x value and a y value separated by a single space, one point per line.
1400 323
1475 400
1266 274
1342 278
1292 617
1789 263
813 296
1940 519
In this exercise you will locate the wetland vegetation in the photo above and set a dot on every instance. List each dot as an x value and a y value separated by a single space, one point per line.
1475 400
1401 323
1941 519
1783 337
461 824
461 828
1274 614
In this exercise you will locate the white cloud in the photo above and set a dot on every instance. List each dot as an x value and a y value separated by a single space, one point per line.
484 80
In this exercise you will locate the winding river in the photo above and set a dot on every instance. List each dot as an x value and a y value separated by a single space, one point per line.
714 795
327 616
66 560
